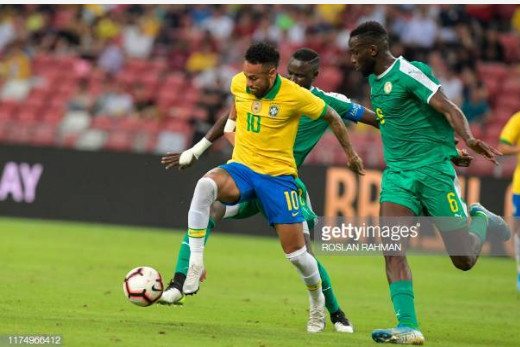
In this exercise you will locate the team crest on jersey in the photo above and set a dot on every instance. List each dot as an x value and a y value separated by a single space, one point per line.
273 110
256 107
388 87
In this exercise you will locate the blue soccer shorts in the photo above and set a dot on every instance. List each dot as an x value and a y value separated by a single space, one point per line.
516 205
278 195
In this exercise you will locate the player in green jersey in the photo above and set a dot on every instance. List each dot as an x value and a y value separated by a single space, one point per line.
417 124
303 68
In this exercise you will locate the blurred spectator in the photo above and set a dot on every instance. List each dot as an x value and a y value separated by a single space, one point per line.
515 20
15 69
111 58
137 43
202 59
421 30
144 104
113 100
490 47
476 108
82 100
7 29
220 25
451 85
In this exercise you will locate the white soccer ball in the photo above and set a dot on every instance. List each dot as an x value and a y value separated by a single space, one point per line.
143 286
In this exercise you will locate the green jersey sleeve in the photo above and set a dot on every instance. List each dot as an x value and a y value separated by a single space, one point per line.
418 79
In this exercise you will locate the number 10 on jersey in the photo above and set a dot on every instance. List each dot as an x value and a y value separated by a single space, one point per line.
292 199
253 123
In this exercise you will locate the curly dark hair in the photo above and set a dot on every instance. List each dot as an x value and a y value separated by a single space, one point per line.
372 29
263 53
307 55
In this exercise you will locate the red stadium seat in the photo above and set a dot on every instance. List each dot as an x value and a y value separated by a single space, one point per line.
119 141
27 116
511 43
104 122
20 133
44 135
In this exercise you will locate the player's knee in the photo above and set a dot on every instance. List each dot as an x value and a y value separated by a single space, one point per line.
206 188
217 211
300 258
393 261
464 263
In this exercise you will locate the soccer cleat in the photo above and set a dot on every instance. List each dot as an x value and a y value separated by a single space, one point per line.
496 224
191 285
401 335
171 296
341 323
518 282
317 316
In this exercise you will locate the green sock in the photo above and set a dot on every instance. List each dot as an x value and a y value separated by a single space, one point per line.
330 299
183 259
478 225
402 296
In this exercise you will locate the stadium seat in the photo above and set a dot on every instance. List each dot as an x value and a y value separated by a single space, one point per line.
119 140
511 44
104 122
44 135
20 133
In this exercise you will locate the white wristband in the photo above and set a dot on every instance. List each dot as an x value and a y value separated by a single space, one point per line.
201 147
230 126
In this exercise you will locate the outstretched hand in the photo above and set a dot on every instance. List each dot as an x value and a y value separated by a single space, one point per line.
484 150
463 159
182 160
355 163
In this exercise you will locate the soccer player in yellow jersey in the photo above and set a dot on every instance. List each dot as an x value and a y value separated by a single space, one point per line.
510 145
268 109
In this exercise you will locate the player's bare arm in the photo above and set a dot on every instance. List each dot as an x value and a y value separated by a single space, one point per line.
458 122
340 131
369 118
229 129
508 149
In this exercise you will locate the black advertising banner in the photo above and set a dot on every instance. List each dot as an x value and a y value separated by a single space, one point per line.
134 189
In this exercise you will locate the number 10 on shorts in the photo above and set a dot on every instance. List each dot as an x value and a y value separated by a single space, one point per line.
292 200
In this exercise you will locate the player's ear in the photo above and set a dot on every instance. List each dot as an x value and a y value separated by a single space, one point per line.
272 72
373 50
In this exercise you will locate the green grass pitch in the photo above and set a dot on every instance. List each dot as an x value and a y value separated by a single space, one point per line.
66 278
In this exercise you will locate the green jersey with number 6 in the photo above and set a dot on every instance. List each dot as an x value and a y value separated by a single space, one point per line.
414 134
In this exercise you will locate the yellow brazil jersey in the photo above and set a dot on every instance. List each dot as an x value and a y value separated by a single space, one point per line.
266 128
511 135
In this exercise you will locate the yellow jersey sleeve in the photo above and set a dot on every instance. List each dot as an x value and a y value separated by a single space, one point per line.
511 132
309 104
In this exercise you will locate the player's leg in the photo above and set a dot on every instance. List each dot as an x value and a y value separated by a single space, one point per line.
293 244
337 316
173 294
463 237
398 199
226 183
280 201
